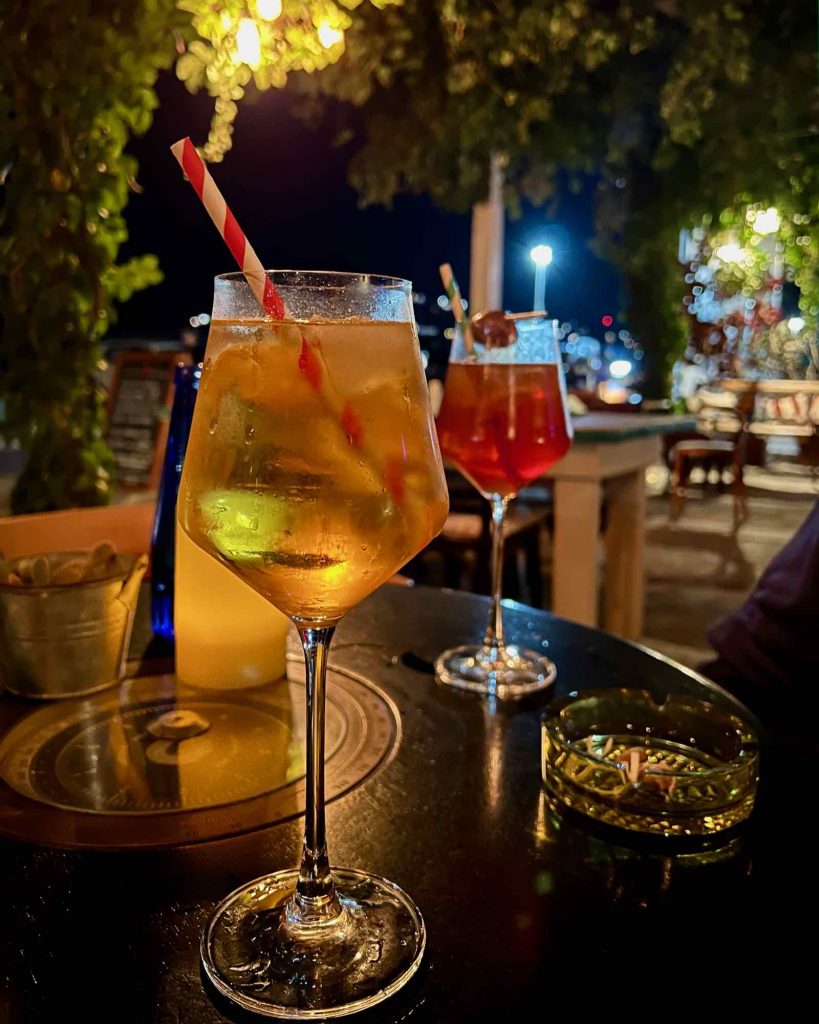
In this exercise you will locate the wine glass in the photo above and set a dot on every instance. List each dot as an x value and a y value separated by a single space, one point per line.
503 423
313 473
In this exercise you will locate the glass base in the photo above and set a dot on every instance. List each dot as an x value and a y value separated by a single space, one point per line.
509 673
258 959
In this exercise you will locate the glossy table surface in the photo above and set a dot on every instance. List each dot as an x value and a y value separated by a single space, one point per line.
529 913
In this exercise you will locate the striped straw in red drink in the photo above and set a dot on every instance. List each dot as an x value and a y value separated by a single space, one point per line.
228 227
453 293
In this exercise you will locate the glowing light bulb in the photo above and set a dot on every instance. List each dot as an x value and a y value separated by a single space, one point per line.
795 324
541 255
620 368
329 36
730 253
765 222
269 10
248 44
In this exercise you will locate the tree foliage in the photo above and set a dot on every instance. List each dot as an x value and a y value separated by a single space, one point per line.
682 109
77 81
76 84
239 43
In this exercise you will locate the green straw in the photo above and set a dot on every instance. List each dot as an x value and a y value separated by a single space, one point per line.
453 293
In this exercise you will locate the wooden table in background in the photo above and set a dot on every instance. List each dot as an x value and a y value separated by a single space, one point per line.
607 462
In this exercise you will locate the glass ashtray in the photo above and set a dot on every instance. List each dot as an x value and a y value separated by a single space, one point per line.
682 767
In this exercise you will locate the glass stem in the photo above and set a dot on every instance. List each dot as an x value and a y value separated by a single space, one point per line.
315 899
494 630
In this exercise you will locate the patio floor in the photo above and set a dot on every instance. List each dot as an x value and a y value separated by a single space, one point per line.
696 573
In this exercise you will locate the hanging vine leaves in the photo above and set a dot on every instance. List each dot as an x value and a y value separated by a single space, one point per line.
259 42
681 109
76 84
684 110
77 81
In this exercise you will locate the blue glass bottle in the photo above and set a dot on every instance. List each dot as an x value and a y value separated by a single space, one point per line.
186 386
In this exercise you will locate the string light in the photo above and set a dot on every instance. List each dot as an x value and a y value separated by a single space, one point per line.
730 253
282 37
248 44
329 36
269 10
765 222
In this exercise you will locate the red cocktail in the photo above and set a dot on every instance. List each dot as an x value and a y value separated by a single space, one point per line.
503 424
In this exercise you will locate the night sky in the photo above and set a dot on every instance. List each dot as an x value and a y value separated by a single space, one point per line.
286 184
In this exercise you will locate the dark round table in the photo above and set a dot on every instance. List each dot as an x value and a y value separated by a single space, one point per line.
528 912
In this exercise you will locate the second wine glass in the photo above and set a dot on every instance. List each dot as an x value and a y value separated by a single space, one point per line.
504 422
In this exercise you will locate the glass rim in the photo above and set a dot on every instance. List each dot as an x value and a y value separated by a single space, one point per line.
332 279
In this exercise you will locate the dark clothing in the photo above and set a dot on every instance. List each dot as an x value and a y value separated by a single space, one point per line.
768 649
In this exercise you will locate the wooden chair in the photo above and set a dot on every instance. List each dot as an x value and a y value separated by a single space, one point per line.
729 452
465 543
710 455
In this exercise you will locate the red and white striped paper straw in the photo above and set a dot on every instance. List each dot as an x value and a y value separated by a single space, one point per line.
311 360
228 227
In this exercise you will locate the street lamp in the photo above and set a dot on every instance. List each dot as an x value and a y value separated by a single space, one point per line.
541 256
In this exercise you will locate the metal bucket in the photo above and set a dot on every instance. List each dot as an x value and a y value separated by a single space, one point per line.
70 640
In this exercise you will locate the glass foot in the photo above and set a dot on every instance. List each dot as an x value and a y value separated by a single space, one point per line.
256 958
509 673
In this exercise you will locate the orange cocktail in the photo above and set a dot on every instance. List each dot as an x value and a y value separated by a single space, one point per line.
314 495
313 474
